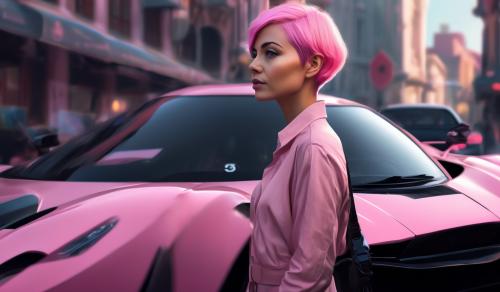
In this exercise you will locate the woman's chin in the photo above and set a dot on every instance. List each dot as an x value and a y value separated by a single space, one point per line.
260 96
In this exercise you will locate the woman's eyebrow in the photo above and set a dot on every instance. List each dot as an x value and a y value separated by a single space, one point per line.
268 43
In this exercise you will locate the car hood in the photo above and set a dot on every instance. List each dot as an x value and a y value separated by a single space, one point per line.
56 193
384 218
493 158
393 217
183 216
147 216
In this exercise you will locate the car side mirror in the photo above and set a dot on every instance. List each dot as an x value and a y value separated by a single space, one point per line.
458 134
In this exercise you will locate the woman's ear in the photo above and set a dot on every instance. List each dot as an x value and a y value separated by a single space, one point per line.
314 65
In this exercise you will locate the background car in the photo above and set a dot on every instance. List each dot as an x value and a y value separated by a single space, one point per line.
20 143
157 198
430 123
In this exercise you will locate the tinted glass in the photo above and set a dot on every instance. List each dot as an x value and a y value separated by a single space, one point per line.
220 139
184 139
375 149
422 118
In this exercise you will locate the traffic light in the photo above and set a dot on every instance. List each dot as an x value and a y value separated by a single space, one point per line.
495 86
486 87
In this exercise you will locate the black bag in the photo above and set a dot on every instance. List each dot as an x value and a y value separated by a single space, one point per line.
353 270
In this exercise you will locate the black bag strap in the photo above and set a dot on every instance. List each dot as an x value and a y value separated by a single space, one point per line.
359 252
353 228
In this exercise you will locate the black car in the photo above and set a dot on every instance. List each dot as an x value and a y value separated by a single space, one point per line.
431 123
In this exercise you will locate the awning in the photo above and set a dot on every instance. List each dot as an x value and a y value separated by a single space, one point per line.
18 19
74 35
209 3
161 4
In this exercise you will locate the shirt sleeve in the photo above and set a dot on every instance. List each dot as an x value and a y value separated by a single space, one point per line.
316 194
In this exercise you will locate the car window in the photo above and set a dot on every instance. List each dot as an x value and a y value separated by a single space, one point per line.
220 138
375 149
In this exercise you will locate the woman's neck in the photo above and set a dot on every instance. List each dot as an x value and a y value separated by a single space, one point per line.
293 105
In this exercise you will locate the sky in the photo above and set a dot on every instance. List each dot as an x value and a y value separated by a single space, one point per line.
458 15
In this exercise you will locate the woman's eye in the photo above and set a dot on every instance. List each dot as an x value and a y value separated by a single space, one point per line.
253 54
271 54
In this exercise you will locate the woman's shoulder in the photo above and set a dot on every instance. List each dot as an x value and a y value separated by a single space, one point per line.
318 134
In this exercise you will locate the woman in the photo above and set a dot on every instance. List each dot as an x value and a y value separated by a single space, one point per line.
300 209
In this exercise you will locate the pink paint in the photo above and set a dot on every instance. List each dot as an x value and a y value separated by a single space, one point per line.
122 157
197 222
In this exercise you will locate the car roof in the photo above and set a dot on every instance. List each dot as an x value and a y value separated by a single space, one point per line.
423 106
417 105
245 89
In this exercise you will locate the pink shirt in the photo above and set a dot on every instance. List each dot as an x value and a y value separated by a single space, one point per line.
300 209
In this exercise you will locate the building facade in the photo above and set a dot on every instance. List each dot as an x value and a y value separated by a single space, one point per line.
212 34
437 76
68 63
462 66
395 27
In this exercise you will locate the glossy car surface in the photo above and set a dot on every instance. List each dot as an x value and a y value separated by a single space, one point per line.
157 198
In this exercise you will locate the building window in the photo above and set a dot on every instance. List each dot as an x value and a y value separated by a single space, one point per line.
185 48
119 17
360 36
85 8
55 2
152 27
9 85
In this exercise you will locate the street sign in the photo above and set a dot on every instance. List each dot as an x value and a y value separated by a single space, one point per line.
381 71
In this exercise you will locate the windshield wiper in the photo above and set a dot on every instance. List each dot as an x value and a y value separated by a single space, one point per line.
399 180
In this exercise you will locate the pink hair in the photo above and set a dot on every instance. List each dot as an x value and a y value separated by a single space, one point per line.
310 31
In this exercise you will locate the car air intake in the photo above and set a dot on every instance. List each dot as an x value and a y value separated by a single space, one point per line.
18 263
29 219
244 209
159 277
446 241
88 239
17 209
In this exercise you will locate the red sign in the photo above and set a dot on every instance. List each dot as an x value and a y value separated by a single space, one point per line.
381 69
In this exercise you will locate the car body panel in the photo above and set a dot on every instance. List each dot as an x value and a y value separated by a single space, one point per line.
481 186
494 158
431 214
4 167
403 216
147 217
198 225
371 215
244 89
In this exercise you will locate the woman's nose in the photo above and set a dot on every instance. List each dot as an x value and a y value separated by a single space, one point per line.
255 66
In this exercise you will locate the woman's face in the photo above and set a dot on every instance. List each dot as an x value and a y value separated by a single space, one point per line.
276 68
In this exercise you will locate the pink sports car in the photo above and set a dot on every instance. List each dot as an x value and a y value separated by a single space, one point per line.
157 199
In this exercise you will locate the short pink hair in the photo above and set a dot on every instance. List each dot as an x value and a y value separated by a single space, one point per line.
310 31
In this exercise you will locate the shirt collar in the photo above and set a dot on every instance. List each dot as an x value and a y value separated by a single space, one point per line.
313 112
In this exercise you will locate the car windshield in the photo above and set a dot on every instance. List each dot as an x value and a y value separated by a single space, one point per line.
221 138
422 118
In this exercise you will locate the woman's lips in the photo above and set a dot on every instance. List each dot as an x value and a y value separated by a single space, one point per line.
256 86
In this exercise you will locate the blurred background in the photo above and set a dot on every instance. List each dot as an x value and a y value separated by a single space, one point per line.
66 65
